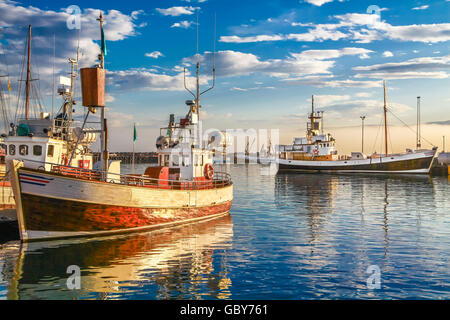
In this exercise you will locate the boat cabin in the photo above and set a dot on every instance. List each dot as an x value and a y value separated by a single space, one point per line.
35 141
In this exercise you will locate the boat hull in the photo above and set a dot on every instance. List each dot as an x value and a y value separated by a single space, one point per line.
56 206
406 163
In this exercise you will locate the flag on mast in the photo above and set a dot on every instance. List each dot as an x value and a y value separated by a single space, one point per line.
9 84
134 133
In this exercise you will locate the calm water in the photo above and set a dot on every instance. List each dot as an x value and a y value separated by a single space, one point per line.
297 236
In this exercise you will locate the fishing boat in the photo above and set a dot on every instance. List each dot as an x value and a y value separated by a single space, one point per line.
59 201
317 153
38 137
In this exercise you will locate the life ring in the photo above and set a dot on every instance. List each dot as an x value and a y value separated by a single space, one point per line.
209 171
64 159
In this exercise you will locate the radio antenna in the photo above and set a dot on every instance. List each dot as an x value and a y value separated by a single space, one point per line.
214 58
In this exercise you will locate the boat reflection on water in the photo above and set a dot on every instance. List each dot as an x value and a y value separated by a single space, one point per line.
187 262
321 198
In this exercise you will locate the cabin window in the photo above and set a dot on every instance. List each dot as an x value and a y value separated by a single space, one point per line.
3 146
37 150
166 160
23 150
197 160
186 161
203 161
12 149
160 160
51 150
175 161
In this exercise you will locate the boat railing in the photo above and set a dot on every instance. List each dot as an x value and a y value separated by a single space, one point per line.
220 179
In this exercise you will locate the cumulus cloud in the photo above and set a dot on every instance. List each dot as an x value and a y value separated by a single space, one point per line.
182 24
388 54
357 27
154 54
149 80
176 11
48 25
309 62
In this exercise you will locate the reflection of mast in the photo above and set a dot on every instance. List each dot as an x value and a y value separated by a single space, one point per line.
385 217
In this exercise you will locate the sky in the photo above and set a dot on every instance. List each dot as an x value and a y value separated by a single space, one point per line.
270 57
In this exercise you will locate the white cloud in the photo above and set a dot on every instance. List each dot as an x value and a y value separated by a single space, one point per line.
363 94
259 38
46 24
176 11
358 27
318 2
154 54
310 62
424 67
421 7
182 24
322 100
388 54
149 80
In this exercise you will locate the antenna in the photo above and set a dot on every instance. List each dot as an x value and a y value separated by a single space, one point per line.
186 86
53 78
214 58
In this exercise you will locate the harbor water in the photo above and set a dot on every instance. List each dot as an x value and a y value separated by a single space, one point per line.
288 236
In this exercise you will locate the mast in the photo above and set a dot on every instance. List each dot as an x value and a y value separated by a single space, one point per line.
418 144
198 82
312 112
385 120
103 134
28 81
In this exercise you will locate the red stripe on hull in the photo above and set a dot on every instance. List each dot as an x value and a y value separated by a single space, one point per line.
46 214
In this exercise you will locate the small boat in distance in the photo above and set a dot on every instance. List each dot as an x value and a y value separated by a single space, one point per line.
316 153
60 201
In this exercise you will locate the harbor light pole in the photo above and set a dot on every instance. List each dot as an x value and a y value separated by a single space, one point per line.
362 138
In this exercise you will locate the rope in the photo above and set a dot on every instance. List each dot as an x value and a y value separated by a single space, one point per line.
409 127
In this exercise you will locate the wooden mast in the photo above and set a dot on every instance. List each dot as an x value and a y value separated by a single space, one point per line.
28 81
385 121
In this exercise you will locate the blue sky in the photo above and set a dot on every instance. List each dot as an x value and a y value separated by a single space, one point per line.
271 57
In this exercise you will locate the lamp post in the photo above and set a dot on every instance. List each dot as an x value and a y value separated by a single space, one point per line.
362 138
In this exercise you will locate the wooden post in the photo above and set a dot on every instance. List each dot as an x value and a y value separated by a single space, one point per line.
14 166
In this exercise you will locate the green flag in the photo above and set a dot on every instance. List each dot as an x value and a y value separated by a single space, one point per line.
103 43
134 133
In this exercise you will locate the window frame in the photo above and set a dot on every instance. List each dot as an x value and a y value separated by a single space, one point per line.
36 146
12 149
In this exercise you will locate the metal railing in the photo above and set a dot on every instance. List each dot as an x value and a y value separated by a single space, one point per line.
220 179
